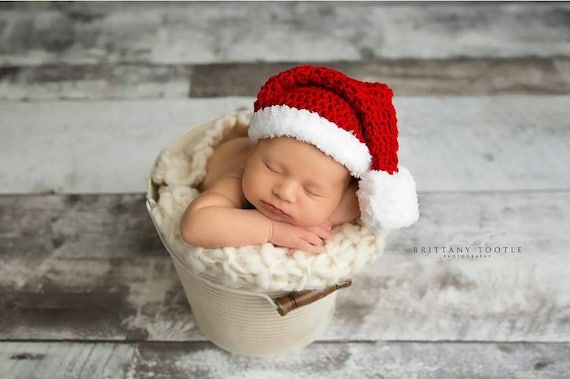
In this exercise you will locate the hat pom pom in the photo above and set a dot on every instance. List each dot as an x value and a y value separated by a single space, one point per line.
388 201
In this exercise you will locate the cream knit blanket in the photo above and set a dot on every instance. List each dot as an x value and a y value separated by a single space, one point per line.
181 167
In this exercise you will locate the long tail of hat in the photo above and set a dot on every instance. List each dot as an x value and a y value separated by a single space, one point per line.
387 192
379 120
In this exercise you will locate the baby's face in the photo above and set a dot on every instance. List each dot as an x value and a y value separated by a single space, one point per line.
292 181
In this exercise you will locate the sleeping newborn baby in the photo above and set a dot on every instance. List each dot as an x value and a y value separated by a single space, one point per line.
322 151
278 190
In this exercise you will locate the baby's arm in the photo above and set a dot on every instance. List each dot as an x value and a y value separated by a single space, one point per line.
348 209
215 219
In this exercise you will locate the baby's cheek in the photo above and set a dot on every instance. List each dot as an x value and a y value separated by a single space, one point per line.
321 212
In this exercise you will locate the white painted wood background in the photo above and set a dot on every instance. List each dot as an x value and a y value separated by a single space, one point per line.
90 93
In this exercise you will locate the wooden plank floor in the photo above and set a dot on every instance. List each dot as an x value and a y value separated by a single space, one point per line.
90 93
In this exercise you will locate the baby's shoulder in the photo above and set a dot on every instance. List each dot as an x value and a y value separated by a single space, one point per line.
231 154
228 160
235 146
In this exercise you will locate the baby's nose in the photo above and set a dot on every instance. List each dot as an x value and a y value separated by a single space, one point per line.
286 191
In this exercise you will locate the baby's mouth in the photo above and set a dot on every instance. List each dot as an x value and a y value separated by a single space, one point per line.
273 209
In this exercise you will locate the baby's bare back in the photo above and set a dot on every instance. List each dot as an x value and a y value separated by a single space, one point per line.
228 160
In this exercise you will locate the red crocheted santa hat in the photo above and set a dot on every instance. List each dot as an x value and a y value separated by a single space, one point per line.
352 121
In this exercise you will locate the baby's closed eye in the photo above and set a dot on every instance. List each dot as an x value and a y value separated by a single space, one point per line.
314 192
272 168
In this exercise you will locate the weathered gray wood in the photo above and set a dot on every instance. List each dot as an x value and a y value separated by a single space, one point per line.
77 227
66 360
247 32
450 144
425 295
90 268
127 289
80 82
77 146
485 143
93 299
375 360
408 77
331 360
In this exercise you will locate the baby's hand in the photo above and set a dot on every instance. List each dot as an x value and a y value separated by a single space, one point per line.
323 230
300 238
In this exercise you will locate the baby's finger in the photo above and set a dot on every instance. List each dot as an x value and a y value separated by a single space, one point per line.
309 247
313 239
326 234
306 248
321 232
312 249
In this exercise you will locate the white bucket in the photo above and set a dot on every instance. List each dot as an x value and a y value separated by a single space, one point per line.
248 323
241 321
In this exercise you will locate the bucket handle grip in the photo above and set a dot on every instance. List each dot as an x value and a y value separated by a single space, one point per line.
294 300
